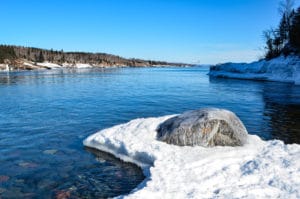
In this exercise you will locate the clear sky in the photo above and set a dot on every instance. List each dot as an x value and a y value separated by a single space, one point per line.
202 31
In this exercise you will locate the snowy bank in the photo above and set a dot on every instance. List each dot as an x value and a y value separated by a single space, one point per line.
4 67
283 69
259 169
49 65
79 65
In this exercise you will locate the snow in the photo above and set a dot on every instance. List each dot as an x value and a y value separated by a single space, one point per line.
4 67
53 65
80 65
282 69
77 65
49 65
259 169
28 64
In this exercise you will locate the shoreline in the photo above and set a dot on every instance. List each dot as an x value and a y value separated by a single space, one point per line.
173 171
27 66
279 69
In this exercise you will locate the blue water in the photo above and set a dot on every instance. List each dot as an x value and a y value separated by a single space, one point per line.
45 115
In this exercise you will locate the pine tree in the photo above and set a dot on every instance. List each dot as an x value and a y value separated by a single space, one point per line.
295 31
278 41
40 57
284 29
269 44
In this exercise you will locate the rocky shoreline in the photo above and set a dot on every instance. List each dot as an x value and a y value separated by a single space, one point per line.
28 65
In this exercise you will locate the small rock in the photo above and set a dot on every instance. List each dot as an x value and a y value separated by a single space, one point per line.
28 165
19 180
50 151
45 183
4 178
101 160
13 193
73 188
118 174
80 176
2 190
29 195
63 194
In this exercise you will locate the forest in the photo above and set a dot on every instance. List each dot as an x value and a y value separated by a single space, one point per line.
284 39
14 55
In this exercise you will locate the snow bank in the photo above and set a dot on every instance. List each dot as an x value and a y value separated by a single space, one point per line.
53 65
49 65
79 65
259 169
28 64
4 67
279 69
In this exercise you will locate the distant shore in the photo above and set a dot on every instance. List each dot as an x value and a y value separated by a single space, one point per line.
29 65
27 58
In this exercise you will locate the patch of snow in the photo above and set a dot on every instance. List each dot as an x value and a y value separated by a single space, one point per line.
260 169
4 67
80 65
67 65
49 65
28 64
283 69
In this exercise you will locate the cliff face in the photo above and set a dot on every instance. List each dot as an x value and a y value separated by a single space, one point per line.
18 57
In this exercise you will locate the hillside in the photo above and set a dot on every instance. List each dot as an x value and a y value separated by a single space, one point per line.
28 58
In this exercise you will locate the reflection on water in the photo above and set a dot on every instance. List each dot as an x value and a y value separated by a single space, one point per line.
45 115
279 115
282 110
49 76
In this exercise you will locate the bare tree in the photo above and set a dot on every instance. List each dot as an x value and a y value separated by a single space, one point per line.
286 7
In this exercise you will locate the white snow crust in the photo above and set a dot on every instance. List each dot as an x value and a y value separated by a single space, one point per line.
282 69
48 64
80 65
260 169
53 65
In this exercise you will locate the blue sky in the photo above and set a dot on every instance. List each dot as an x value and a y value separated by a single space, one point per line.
202 31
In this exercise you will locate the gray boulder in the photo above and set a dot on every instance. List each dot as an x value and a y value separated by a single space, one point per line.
205 127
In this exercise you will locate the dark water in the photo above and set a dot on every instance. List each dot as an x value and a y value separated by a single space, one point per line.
45 115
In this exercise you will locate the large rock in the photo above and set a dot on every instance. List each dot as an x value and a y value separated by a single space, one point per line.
205 127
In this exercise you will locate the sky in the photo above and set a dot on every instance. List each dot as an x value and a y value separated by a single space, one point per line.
190 31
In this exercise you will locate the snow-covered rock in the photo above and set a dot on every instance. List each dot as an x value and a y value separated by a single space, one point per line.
283 69
204 127
259 169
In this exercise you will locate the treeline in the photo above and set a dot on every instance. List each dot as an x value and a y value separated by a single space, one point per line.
6 52
9 54
285 39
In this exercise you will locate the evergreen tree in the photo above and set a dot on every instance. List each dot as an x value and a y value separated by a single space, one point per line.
41 57
7 52
295 31
269 44
284 29
279 40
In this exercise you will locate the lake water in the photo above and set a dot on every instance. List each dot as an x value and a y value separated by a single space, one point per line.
45 115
